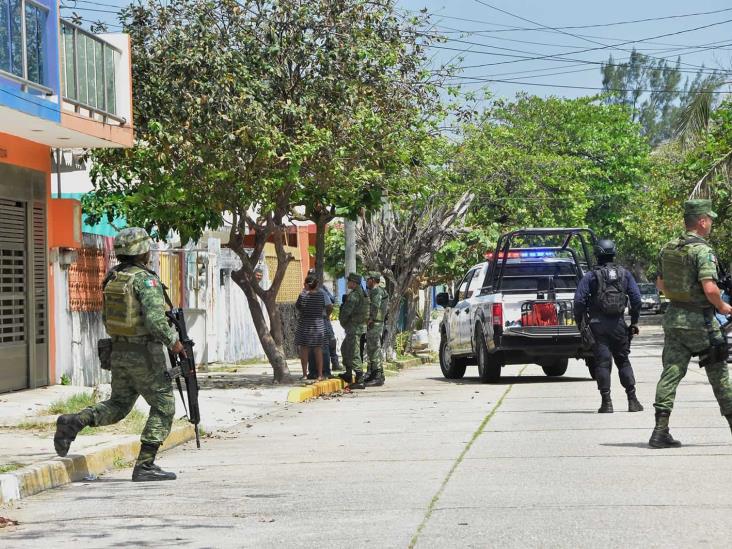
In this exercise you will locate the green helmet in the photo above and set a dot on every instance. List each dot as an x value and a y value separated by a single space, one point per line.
132 241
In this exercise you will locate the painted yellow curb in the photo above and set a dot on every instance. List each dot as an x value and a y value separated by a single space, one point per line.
56 472
328 386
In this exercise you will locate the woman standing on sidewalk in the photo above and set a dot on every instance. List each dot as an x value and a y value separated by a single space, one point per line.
310 332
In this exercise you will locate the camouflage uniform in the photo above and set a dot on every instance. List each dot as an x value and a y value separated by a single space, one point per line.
353 315
378 302
139 328
687 334
689 325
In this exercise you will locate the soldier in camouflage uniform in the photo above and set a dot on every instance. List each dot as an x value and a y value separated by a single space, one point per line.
353 316
134 315
688 276
378 303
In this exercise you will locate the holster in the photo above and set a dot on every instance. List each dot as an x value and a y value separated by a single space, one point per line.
104 350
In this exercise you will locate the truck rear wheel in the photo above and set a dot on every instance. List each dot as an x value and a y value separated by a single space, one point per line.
556 367
452 367
489 365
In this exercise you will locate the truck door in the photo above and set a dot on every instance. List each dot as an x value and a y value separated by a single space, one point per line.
460 315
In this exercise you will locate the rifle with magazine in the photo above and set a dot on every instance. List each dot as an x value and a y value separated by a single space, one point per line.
184 365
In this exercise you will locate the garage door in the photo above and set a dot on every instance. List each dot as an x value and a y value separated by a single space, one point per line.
13 296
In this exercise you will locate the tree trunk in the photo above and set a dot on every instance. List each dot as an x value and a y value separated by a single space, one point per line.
427 312
320 226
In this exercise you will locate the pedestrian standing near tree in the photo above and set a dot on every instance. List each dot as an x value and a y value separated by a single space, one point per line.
134 315
310 331
378 303
688 275
601 298
353 317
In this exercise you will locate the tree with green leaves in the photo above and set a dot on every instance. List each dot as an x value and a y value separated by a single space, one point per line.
655 90
250 112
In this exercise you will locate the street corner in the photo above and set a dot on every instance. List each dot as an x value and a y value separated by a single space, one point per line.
326 387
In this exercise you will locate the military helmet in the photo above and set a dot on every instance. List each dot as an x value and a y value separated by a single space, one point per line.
132 241
375 275
605 246
354 277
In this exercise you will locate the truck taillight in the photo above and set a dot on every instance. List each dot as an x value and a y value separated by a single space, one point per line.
497 314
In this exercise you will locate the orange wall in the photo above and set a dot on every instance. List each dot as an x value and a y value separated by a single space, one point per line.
27 154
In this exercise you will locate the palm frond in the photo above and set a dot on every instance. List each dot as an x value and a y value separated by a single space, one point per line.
722 167
694 119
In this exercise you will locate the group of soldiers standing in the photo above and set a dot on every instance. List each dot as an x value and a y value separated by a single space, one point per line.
362 316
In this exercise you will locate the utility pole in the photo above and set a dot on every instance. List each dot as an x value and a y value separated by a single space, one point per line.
350 234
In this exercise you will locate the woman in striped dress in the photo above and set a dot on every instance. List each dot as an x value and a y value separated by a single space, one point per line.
310 332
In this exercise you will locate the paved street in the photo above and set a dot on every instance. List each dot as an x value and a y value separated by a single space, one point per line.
428 462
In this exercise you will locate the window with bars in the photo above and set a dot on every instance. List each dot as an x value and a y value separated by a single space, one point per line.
23 39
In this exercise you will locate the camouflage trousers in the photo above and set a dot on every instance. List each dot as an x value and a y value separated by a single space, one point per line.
136 372
373 346
351 351
679 346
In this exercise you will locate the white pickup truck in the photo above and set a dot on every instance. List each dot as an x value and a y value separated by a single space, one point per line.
517 307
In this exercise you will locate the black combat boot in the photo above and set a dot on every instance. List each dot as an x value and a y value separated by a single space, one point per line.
347 377
633 404
661 437
67 427
607 404
377 380
358 383
145 469
369 376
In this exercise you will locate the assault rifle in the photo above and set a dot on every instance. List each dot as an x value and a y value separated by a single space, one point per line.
184 365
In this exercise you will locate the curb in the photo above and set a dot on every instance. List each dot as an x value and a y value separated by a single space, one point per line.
301 394
56 472
409 363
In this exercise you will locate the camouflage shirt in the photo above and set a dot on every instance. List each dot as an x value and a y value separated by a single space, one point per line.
378 302
353 311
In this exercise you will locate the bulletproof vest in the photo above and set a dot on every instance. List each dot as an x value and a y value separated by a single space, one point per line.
611 296
361 314
680 276
122 310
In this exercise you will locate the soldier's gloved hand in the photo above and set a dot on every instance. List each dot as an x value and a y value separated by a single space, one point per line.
178 348
633 329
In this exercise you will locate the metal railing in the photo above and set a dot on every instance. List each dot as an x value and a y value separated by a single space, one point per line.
25 83
23 78
85 85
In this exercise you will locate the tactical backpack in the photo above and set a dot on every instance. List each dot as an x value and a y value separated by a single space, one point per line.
611 296
122 310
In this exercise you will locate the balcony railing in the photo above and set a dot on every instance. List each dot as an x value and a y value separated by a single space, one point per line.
89 73
23 44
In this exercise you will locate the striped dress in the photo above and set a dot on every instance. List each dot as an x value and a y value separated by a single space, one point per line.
310 330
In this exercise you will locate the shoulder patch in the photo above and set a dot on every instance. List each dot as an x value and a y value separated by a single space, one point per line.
712 258
151 283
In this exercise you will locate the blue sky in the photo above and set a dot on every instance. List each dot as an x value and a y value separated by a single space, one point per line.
494 38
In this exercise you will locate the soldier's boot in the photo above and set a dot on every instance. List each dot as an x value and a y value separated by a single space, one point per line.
633 404
606 407
369 376
661 437
145 469
358 382
67 427
377 380
347 376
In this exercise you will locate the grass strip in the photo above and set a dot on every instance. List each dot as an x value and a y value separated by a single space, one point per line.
458 461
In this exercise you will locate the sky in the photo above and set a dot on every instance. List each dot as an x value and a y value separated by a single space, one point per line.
550 47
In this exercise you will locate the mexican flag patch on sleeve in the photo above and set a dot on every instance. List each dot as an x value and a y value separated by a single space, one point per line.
151 283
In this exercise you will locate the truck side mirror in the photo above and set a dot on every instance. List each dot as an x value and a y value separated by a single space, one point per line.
443 299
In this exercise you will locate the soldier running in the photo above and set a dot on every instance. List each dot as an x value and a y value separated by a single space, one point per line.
134 315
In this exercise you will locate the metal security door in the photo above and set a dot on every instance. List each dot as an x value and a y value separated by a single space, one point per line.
13 296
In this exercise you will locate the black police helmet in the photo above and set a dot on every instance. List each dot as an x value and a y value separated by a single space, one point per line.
605 247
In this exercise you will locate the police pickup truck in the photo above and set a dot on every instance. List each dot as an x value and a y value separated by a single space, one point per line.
517 307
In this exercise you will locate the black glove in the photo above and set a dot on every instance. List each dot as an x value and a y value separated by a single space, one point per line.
632 330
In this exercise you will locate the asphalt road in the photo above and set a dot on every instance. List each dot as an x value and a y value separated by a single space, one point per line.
425 462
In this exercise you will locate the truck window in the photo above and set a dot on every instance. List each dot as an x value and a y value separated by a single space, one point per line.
534 277
476 283
463 288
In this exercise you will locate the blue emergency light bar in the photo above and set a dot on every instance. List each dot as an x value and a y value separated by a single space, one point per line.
523 254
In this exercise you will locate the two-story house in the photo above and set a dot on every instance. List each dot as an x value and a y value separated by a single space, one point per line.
61 87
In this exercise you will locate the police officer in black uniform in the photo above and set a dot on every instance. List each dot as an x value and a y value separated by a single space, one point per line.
601 298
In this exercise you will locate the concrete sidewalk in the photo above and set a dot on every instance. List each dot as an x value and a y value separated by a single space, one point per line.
28 462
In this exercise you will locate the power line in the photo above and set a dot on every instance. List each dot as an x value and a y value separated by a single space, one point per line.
618 90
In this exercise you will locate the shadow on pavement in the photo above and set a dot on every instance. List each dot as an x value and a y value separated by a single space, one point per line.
511 380
645 445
